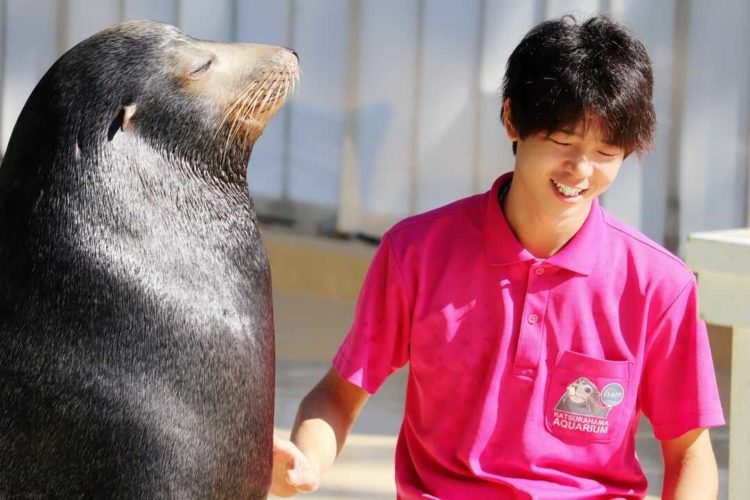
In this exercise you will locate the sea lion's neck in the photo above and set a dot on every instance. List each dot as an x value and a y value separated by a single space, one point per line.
201 188
135 200
193 231
138 216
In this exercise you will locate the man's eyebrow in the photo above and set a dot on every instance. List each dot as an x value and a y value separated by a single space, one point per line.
566 131
576 133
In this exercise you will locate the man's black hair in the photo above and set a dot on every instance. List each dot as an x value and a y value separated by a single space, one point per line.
563 75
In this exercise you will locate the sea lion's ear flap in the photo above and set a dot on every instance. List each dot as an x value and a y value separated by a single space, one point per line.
123 120
126 113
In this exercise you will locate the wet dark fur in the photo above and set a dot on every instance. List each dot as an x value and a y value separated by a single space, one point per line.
136 337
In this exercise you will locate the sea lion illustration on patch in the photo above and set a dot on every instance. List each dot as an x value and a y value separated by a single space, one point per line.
582 397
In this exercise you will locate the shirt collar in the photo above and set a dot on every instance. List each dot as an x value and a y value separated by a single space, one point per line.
503 248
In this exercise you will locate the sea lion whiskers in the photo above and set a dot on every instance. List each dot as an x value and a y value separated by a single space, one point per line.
244 117
280 89
265 104
242 95
258 99
230 117
278 92
238 113
250 103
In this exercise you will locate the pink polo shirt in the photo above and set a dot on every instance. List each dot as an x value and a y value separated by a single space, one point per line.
528 376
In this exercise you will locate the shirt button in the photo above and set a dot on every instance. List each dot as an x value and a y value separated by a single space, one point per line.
539 271
532 319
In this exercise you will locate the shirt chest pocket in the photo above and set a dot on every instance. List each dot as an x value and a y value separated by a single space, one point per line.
587 399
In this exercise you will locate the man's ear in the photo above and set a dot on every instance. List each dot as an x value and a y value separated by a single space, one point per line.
507 123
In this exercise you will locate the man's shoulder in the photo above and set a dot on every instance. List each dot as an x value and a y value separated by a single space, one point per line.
645 253
447 220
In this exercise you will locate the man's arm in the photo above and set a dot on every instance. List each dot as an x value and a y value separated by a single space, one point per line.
689 467
324 419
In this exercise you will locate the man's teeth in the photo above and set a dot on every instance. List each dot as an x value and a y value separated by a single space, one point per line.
567 190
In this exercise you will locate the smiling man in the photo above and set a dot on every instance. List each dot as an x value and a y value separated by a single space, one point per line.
537 327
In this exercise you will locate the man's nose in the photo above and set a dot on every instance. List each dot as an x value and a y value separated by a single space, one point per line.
582 166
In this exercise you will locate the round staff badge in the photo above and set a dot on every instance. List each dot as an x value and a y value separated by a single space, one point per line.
612 394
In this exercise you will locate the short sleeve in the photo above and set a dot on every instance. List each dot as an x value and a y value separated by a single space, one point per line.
679 391
378 342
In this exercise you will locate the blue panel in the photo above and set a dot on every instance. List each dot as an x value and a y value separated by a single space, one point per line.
266 21
386 105
30 48
317 113
713 151
163 10
639 196
581 9
86 17
263 21
505 24
447 151
207 19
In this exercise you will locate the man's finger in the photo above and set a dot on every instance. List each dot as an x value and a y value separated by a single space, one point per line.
305 480
284 448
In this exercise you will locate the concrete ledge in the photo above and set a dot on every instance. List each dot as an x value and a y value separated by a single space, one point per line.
316 265
316 281
308 327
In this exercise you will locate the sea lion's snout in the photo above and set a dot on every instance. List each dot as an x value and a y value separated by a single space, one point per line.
248 82
294 52
271 82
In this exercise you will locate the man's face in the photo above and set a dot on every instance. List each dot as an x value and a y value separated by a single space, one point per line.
560 173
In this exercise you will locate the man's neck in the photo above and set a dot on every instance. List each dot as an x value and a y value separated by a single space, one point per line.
542 234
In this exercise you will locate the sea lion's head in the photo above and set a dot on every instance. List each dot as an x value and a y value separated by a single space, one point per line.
200 104
581 391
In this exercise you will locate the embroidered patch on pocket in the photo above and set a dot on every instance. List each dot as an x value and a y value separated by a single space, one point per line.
585 396
583 408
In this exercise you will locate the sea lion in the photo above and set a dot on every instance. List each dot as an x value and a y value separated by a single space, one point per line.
136 329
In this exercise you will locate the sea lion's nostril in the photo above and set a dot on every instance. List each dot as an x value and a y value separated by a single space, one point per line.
293 52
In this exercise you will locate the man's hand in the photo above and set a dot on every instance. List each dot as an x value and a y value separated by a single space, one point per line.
292 472
324 419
